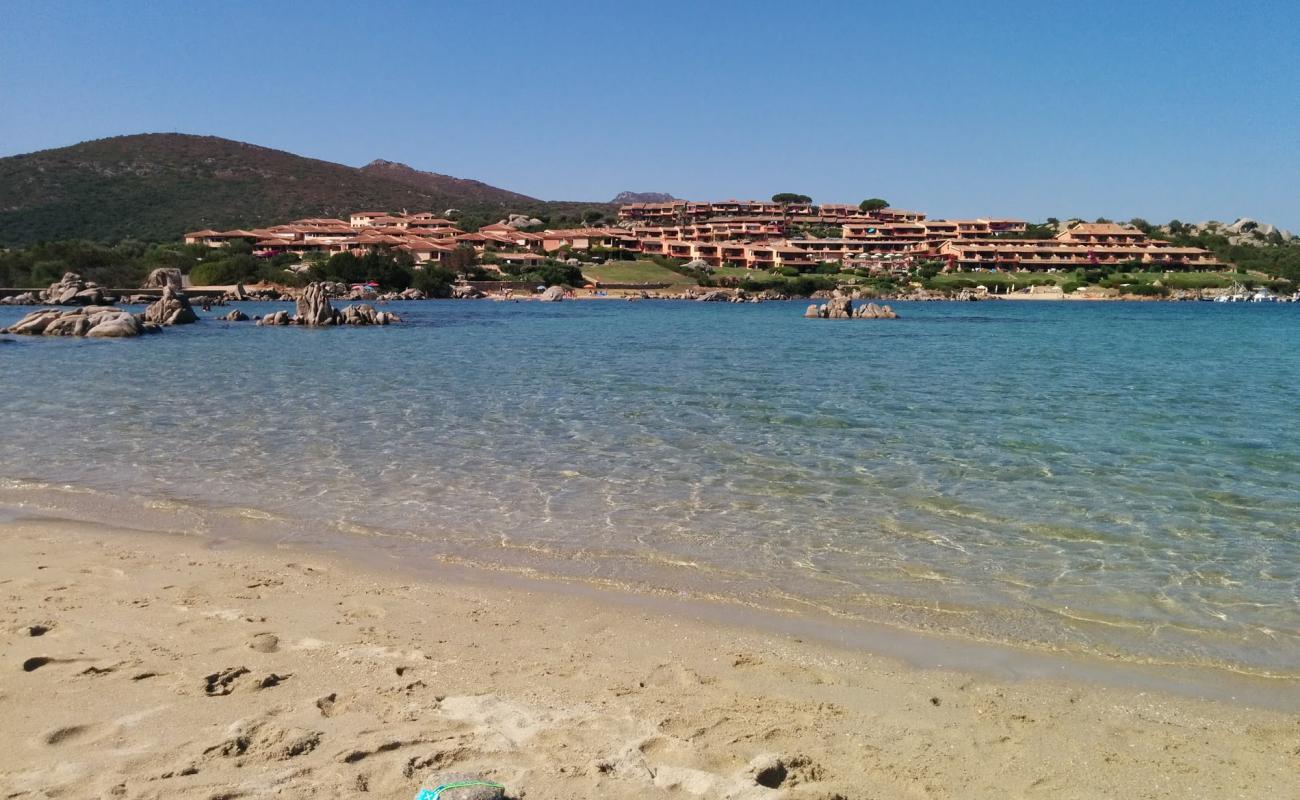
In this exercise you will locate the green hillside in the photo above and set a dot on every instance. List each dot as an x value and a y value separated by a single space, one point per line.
156 186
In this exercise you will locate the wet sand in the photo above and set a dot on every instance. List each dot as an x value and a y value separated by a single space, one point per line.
150 666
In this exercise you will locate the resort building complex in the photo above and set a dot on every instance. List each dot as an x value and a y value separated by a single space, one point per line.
737 233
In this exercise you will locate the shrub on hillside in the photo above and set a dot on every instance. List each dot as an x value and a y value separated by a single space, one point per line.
226 271
433 281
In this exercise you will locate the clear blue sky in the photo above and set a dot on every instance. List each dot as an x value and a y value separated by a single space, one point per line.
1154 109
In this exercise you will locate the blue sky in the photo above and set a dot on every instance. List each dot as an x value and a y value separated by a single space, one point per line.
1155 109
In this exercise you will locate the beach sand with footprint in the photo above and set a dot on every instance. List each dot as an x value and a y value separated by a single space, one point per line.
141 666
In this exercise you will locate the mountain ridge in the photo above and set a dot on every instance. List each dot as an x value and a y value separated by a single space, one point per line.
438 182
156 186
623 198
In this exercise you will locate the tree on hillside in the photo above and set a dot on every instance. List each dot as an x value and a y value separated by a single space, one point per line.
790 198
462 260
873 204
592 215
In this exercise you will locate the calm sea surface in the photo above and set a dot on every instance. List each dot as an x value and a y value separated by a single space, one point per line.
1122 479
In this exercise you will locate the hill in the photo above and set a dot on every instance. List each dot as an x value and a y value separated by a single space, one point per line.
623 198
156 186
444 185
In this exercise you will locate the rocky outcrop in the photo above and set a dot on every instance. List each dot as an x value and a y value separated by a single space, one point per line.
552 295
313 307
313 310
364 314
520 221
840 306
235 315
714 297
24 299
164 277
276 318
173 308
873 311
623 198
91 321
462 291
71 290
1242 231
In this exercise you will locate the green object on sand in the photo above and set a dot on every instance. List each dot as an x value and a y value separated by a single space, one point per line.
472 783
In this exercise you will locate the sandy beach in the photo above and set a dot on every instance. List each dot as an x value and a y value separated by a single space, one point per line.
152 666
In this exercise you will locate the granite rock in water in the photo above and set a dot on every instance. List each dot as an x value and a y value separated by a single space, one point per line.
839 306
164 277
365 314
24 299
873 311
235 315
313 307
71 290
173 308
92 321
119 325
552 295
280 317
465 292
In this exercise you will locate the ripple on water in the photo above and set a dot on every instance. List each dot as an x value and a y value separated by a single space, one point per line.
1112 477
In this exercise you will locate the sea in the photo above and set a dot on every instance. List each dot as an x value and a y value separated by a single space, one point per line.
1114 479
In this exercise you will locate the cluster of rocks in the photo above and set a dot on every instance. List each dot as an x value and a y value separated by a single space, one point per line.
463 291
70 290
240 294
733 296
1243 230
173 308
840 306
406 294
92 321
313 309
553 294
521 221
102 321
164 277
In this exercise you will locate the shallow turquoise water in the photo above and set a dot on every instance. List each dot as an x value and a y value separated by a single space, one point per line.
1116 478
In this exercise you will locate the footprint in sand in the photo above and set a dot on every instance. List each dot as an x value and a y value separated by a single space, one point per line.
264 643
61 735
326 704
36 662
222 683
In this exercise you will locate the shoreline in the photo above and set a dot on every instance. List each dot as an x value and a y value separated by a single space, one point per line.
360 677
917 635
